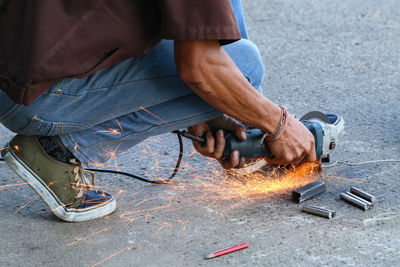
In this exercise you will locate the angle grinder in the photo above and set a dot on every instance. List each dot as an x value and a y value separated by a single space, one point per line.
324 127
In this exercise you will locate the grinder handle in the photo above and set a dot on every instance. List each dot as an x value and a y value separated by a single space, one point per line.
252 148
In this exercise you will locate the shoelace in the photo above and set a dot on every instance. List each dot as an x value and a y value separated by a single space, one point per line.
80 179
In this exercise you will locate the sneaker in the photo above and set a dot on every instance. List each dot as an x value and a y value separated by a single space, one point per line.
62 186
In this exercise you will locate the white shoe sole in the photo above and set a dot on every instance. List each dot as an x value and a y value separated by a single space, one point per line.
51 200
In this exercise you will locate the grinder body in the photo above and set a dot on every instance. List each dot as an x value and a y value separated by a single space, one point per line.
325 135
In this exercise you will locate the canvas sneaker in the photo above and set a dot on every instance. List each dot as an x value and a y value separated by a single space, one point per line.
62 186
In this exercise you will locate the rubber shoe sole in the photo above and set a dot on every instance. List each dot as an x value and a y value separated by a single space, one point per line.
51 200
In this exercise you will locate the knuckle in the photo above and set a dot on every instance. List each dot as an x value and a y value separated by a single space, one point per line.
221 140
289 159
312 145
217 155
313 140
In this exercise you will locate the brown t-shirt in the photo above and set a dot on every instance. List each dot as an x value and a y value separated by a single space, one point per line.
42 41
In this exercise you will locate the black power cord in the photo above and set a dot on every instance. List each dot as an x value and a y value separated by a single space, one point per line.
178 163
143 179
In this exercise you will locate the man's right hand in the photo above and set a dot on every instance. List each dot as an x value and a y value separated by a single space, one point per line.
294 146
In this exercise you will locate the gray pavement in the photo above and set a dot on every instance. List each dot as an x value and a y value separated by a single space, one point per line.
334 56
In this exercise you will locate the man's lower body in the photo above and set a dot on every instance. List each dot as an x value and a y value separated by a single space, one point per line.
140 97
81 110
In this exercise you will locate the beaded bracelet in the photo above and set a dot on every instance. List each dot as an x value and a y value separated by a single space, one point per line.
279 129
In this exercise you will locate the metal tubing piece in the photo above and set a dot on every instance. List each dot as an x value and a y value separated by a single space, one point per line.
358 192
308 191
318 211
324 209
355 202
370 205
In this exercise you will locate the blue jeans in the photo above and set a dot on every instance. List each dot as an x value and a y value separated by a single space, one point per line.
84 111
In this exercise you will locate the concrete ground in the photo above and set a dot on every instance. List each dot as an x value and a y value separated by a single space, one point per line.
334 56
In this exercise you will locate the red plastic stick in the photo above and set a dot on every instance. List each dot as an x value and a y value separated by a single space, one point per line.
226 251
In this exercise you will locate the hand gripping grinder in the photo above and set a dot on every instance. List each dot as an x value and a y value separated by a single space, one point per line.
324 127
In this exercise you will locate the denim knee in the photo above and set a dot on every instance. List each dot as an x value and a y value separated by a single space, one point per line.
256 73
247 57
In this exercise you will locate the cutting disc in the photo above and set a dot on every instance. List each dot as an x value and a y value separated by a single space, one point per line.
315 115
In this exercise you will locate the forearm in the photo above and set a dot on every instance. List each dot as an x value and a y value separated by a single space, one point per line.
212 74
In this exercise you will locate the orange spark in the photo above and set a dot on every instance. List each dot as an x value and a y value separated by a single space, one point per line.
184 223
151 113
109 131
134 219
120 192
258 185
79 239
10 185
26 204
112 156
143 210
184 226
17 148
145 200
113 255
164 224
119 125
377 12
56 208
95 164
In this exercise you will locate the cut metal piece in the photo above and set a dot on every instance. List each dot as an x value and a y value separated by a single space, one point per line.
358 192
308 191
318 211
349 198
370 205
315 115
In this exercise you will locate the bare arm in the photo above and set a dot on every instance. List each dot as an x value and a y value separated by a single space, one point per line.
212 74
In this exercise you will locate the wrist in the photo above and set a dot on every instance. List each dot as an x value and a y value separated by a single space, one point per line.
279 129
270 117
